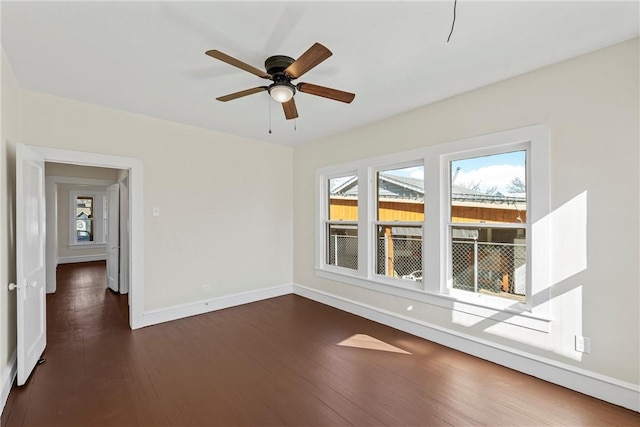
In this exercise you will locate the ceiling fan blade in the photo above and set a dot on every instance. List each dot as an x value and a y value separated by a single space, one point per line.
242 93
326 92
290 110
237 63
312 57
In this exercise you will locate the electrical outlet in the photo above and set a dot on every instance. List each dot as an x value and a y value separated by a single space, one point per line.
206 287
583 344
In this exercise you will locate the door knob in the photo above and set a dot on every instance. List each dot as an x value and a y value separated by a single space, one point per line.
34 284
12 286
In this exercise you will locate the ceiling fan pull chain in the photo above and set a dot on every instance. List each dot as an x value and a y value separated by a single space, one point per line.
269 101
295 125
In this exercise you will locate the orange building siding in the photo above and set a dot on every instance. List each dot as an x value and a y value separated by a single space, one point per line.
347 210
343 209
471 213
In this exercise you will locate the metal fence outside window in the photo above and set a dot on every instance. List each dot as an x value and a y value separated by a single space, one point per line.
498 268
343 251
397 256
400 257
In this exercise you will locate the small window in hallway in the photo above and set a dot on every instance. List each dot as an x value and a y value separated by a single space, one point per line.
84 218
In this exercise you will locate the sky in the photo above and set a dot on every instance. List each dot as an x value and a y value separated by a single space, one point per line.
497 170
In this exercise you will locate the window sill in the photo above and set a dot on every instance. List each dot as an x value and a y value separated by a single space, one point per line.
477 305
87 245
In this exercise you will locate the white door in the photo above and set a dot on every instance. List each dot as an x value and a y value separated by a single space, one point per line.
113 236
30 260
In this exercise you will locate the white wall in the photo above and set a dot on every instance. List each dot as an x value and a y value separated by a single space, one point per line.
9 135
591 106
225 202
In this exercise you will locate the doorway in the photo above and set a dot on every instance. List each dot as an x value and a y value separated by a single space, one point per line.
133 221
84 208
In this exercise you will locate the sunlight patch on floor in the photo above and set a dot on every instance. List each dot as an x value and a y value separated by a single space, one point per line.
370 343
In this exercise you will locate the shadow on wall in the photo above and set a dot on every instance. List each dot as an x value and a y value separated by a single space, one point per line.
568 258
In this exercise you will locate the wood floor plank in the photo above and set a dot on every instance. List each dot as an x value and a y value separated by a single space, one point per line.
285 361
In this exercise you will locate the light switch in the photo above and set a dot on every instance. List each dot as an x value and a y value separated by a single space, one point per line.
156 211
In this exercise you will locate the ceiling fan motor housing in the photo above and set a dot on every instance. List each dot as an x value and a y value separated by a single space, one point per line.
275 65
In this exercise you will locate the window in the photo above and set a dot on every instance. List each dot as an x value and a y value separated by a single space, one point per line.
487 224
87 219
465 227
399 218
342 222
84 218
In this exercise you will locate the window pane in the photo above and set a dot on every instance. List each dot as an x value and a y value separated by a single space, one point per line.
489 261
489 188
343 198
84 219
399 252
401 194
342 245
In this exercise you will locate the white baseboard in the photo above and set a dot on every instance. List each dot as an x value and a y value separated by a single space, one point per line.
9 374
154 317
81 258
590 383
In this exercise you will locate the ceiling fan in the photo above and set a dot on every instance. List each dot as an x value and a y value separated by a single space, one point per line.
282 70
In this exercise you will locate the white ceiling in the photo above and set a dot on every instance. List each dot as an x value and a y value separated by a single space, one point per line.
148 57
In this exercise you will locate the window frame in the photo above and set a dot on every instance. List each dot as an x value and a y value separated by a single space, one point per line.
374 221
98 220
325 191
534 313
448 224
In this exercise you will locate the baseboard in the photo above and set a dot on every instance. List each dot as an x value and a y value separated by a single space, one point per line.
81 258
590 383
7 380
154 317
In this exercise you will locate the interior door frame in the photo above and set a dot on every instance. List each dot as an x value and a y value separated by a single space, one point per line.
124 231
113 221
136 214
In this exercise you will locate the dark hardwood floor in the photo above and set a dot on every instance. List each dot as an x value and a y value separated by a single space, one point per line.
283 361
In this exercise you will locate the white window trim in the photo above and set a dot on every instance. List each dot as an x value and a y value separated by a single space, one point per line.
373 220
446 223
534 313
323 212
98 219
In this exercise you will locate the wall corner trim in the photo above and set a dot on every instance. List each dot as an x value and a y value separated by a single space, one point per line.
590 383
9 376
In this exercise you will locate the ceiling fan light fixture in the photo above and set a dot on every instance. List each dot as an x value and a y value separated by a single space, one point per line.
281 92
